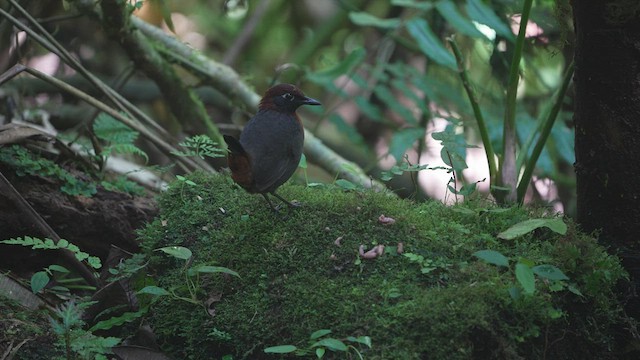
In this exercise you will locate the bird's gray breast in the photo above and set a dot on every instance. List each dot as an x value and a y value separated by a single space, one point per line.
274 142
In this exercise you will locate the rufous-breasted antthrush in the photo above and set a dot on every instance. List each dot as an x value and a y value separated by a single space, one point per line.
270 145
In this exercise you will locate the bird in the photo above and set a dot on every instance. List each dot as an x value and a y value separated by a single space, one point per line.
270 145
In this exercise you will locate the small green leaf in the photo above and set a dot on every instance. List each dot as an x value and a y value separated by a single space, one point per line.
429 44
208 269
280 349
527 226
525 277
453 158
331 344
107 128
94 262
366 19
153 290
38 281
320 352
549 272
346 184
177 252
303 162
492 257
319 334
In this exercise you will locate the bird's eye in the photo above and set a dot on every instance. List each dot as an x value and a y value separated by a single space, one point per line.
288 96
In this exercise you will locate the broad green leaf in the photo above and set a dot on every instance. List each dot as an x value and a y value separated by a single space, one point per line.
407 91
492 257
208 269
527 226
386 96
525 277
429 44
58 268
38 281
366 19
365 340
422 5
368 108
331 344
280 349
153 290
344 128
450 12
319 334
483 14
119 320
341 68
549 272
177 252
515 292
574 290
403 140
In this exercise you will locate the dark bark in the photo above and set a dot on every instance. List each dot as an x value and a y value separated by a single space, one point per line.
607 119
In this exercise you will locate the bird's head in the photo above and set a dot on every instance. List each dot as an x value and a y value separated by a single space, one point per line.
285 98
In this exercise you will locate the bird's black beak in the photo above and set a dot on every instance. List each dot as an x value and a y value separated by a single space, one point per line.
310 101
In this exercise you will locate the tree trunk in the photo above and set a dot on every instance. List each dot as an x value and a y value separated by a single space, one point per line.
607 120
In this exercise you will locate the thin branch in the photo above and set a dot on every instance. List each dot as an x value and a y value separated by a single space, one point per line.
245 35
146 133
48 42
182 101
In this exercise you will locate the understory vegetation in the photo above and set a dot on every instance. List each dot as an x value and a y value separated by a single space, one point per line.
429 295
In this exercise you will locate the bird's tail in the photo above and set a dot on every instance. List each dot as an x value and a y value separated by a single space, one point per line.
234 145
239 163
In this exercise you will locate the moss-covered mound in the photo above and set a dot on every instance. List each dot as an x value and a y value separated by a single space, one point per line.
442 302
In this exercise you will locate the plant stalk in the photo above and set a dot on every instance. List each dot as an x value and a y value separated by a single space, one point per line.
508 171
544 134
482 126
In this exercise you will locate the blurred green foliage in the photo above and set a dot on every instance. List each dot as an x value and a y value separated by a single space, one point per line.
389 74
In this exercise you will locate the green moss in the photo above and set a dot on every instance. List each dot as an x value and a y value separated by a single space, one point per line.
26 332
296 280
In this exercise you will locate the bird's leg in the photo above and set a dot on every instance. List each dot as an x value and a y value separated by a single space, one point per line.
266 197
291 204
